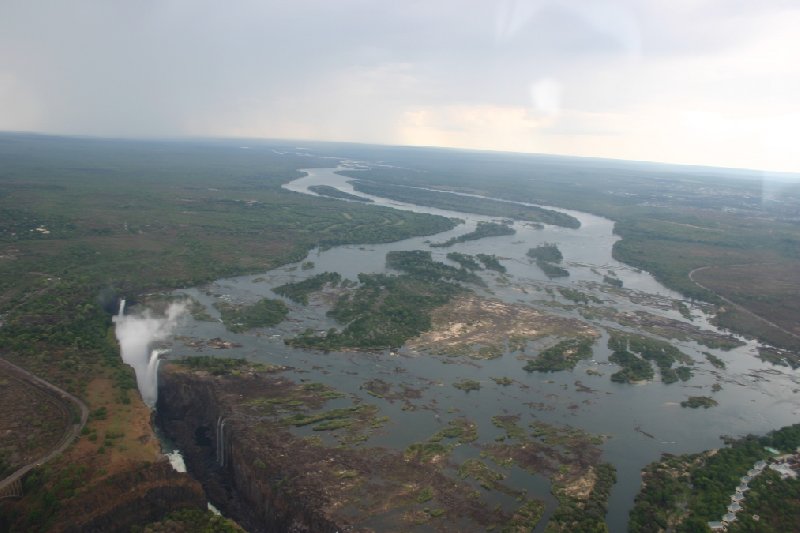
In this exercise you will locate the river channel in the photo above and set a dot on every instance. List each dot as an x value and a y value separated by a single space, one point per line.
642 421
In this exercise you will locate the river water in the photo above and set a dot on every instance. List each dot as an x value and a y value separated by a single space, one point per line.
642 421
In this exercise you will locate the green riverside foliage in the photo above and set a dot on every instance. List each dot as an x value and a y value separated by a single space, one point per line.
482 230
696 402
578 296
383 312
418 263
614 282
194 520
633 368
588 516
264 313
563 356
552 271
714 360
466 261
333 192
491 262
465 204
692 490
658 351
299 291
546 252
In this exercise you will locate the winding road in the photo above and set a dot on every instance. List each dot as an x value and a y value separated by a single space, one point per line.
69 436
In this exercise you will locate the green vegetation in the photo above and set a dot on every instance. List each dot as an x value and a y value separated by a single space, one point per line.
466 261
333 192
264 313
633 368
613 281
333 419
525 518
625 345
418 263
686 492
696 402
194 520
482 230
385 311
563 356
578 296
458 431
467 385
776 503
585 515
548 252
491 263
461 429
465 204
478 470
299 290
504 381
552 271
714 360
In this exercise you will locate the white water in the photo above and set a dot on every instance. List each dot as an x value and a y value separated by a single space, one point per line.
136 334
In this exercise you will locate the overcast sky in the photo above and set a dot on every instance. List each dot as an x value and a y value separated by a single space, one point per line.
687 81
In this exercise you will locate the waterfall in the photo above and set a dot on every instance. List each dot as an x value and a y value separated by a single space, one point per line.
135 334
217 439
222 443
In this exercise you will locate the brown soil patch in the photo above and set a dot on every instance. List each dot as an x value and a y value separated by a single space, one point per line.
480 328
124 433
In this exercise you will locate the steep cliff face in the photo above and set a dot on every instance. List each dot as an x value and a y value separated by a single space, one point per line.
133 498
220 450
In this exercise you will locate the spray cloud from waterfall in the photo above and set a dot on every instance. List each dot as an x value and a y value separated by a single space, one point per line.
136 334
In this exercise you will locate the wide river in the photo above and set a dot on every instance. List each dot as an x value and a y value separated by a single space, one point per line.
643 421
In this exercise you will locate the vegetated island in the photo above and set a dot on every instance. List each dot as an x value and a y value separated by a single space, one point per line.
384 311
333 192
634 353
264 313
563 356
465 204
465 260
546 252
482 230
546 256
695 402
300 290
688 493
491 262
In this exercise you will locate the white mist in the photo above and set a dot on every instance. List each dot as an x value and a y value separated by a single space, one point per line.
135 335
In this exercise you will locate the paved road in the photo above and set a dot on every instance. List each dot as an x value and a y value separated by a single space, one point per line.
737 306
69 436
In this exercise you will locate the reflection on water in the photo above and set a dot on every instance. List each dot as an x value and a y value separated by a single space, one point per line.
643 421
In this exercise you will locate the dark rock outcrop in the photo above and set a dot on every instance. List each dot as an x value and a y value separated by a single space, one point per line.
132 498
191 411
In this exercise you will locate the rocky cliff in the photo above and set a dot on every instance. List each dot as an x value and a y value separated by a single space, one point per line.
197 412
135 497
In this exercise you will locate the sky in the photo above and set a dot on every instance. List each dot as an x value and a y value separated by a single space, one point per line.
713 82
